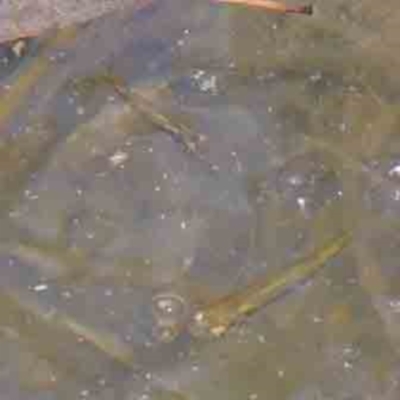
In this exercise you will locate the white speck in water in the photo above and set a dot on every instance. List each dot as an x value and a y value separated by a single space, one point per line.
199 317
40 288
209 84
206 83
343 127
183 225
118 158
301 202
261 339
271 75
394 304
30 195
108 292
352 89
238 164
317 76
198 74
157 188
19 48
396 195
162 216
102 382
14 214
165 176
195 368
253 396
348 350
187 262
281 373
150 150
270 109
75 221
66 294
84 393
395 171
202 138
61 55
347 365
316 319
80 110
295 180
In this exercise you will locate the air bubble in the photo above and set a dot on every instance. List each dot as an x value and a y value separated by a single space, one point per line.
170 312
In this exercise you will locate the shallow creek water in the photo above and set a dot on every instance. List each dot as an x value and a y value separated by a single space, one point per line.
200 201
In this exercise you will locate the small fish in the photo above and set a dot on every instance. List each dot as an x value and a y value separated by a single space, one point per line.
273 6
214 319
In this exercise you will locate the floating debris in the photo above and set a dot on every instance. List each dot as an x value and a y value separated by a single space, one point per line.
273 6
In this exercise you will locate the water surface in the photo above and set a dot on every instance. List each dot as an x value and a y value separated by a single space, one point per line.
155 161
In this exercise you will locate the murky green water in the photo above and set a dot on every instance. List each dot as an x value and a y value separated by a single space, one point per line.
154 163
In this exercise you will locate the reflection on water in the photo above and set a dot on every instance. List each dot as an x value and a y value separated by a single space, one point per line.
174 164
